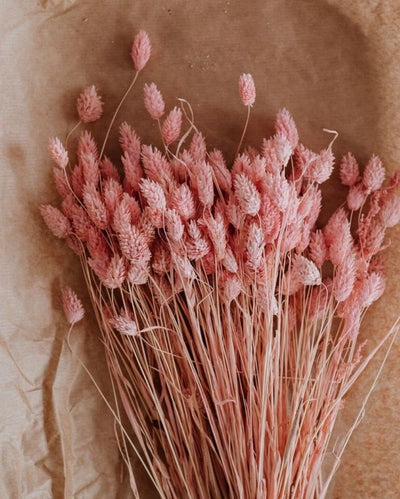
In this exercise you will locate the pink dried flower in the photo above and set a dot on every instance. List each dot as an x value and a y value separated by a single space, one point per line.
161 262
349 170
305 271
285 126
77 181
372 289
58 223
156 166
174 225
320 169
340 242
198 148
87 145
217 233
72 306
112 194
222 174
254 247
124 324
247 196
90 169
153 101
344 278
61 182
356 196
229 261
374 175
89 105
95 206
108 170
171 128
231 287
182 201
317 247
390 210
247 89
58 152
197 246
270 220
97 245
138 273
133 172
154 195
116 273
141 50
371 234
130 142
204 184
134 246
338 219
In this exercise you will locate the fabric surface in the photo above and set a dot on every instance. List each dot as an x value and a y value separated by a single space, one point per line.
332 63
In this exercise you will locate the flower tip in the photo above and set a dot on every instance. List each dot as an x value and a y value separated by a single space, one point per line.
247 89
72 306
141 50
89 105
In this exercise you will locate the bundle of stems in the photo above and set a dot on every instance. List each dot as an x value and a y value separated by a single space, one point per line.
230 322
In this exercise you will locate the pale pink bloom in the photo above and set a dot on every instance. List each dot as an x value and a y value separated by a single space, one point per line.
130 142
320 169
61 182
310 205
133 173
390 210
232 213
333 225
78 216
356 196
74 243
116 273
112 194
138 273
87 145
318 248
208 263
77 181
247 89
340 242
95 207
72 306
204 184
285 126
344 278
283 149
58 152
97 245
372 289
247 195
349 170
108 170
124 323
276 151
279 191
134 246
254 247
319 297
257 168
174 225
90 169
374 175
222 174
99 267
371 234
303 158
171 128
351 327
292 236
229 261
217 233
270 220
198 148
141 50
183 266
56 221
242 164
197 246
305 271
122 215
181 199
89 105
153 101
154 195
231 287
304 241
156 166
146 228
161 262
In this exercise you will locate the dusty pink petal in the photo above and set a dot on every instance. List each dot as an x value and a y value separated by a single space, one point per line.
72 306
318 248
141 50
61 182
171 128
247 195
356 196
116 273
89 105
197 245
390 210
286 126
247 89
95 207
153 101
108 170
374 175
58 223
58 152
197 147
87 145
254 247
344 278
154 195
221 172
349 170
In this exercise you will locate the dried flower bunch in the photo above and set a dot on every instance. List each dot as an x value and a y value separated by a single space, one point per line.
230 319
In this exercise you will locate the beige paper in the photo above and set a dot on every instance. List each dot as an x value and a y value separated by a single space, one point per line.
332 63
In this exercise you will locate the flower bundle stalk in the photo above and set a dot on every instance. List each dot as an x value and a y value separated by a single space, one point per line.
229 316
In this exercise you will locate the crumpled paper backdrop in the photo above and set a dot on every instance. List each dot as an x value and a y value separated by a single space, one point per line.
333 63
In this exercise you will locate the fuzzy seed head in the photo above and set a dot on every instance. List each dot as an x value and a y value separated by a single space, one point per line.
89 105
153 101
72 306
247 89
141 50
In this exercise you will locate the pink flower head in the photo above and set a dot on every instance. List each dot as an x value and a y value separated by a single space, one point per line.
349 171
286 127
130 142
58 223
116 273
390 210
58 152
124 323
344 278
318 249
305 271
182 201
374 175
356 196
171 128
141 50
247 89
247 195
153 194
89 105
254 247
153 101
72 305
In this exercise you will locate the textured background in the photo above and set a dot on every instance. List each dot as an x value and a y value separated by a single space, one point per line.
333 63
